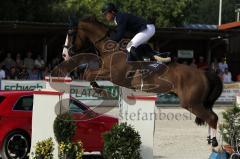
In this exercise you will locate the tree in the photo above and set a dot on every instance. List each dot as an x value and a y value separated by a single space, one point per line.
207 11
164 12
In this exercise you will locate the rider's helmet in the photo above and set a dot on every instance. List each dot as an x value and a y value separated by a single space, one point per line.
108 8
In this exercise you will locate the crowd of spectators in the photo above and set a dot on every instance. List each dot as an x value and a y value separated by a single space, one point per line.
29 68
218 66
24 68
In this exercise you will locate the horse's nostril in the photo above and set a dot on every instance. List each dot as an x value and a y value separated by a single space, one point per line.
64 55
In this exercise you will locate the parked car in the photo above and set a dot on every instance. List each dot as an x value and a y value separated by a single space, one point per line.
16 124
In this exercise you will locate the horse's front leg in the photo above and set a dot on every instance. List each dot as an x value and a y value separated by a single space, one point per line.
96 74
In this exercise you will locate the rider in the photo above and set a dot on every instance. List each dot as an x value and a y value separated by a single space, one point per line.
129 23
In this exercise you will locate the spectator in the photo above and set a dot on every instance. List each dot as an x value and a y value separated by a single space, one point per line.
9 62
39 62
202 63
2 72
12 73
227 76
214 65
222 65
55 61
34 74
28 61
238 77
46 72
23 74
19 61
193 63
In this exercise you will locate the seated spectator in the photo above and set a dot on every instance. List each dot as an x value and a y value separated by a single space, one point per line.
9 62
12 74
55 61
222 65
39 62
193 63
28 61
214 65
46 72
238 77
34 74
19 61
2 72
227 76
202 63
23 74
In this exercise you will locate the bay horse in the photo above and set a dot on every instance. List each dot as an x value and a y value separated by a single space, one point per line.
197 90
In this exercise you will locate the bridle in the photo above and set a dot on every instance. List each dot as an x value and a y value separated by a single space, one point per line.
72 32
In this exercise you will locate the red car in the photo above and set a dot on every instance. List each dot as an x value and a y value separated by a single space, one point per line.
16 124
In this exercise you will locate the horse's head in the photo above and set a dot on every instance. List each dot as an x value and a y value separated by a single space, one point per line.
81 32
76 37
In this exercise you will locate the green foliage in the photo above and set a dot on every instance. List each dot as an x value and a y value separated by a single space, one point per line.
64 128
207 11
164 12
122 142
69 150
230 128
44 149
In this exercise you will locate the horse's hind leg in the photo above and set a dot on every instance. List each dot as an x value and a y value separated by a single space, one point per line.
208 116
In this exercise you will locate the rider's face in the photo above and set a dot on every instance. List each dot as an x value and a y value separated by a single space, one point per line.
109 16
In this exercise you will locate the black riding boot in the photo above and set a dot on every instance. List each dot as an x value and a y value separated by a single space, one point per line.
132 55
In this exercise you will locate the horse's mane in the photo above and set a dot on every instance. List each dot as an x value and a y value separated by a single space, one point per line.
92 19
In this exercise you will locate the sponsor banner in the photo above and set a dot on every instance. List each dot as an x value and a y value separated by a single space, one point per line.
80 90
22 85
228 95
109 97
188 54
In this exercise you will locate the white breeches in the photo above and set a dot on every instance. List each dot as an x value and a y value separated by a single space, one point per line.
141 37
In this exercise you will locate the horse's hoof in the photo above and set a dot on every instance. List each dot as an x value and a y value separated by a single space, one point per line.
209 140
214 142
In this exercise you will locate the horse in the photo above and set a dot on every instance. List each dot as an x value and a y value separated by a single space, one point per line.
197 89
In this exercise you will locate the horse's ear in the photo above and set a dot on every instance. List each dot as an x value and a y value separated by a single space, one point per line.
72 20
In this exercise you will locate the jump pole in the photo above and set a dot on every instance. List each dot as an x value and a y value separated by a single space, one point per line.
47 104
238 99
137 108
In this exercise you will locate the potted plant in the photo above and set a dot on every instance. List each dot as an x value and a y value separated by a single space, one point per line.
122 141
64 129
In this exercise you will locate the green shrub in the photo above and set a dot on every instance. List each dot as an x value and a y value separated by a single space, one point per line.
230 128
122 142
64 128
71 151
44 149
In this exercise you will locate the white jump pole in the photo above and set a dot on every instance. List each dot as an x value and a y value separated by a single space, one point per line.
137 108
47 104
238 99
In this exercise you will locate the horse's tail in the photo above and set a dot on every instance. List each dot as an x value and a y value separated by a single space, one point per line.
215 87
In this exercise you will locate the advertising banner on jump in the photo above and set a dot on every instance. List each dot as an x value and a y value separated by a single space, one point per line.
22 85
79 90
82 91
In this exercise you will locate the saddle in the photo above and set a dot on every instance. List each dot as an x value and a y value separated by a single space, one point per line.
145 53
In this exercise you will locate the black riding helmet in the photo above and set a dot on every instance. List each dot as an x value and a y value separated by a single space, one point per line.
108 8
